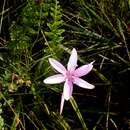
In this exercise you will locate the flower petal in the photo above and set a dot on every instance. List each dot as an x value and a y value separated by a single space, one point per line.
83 70
72 63
68 89
82 83
62 104
58 78
57 65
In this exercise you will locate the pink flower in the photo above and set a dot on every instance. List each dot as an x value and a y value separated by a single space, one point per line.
70 76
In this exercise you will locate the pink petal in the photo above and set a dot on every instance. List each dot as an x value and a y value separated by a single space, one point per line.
72 64
68 88
57 65
62 104
82 83
59 78
83 70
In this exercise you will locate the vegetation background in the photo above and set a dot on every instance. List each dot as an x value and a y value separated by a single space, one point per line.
31 31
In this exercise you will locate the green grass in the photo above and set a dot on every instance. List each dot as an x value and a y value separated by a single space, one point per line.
32 31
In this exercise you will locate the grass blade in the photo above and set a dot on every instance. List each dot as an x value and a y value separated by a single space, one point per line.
76 109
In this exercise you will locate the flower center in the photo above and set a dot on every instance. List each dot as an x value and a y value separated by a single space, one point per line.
69 75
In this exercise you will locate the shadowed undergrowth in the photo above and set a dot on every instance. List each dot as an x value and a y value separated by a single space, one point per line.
34 30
